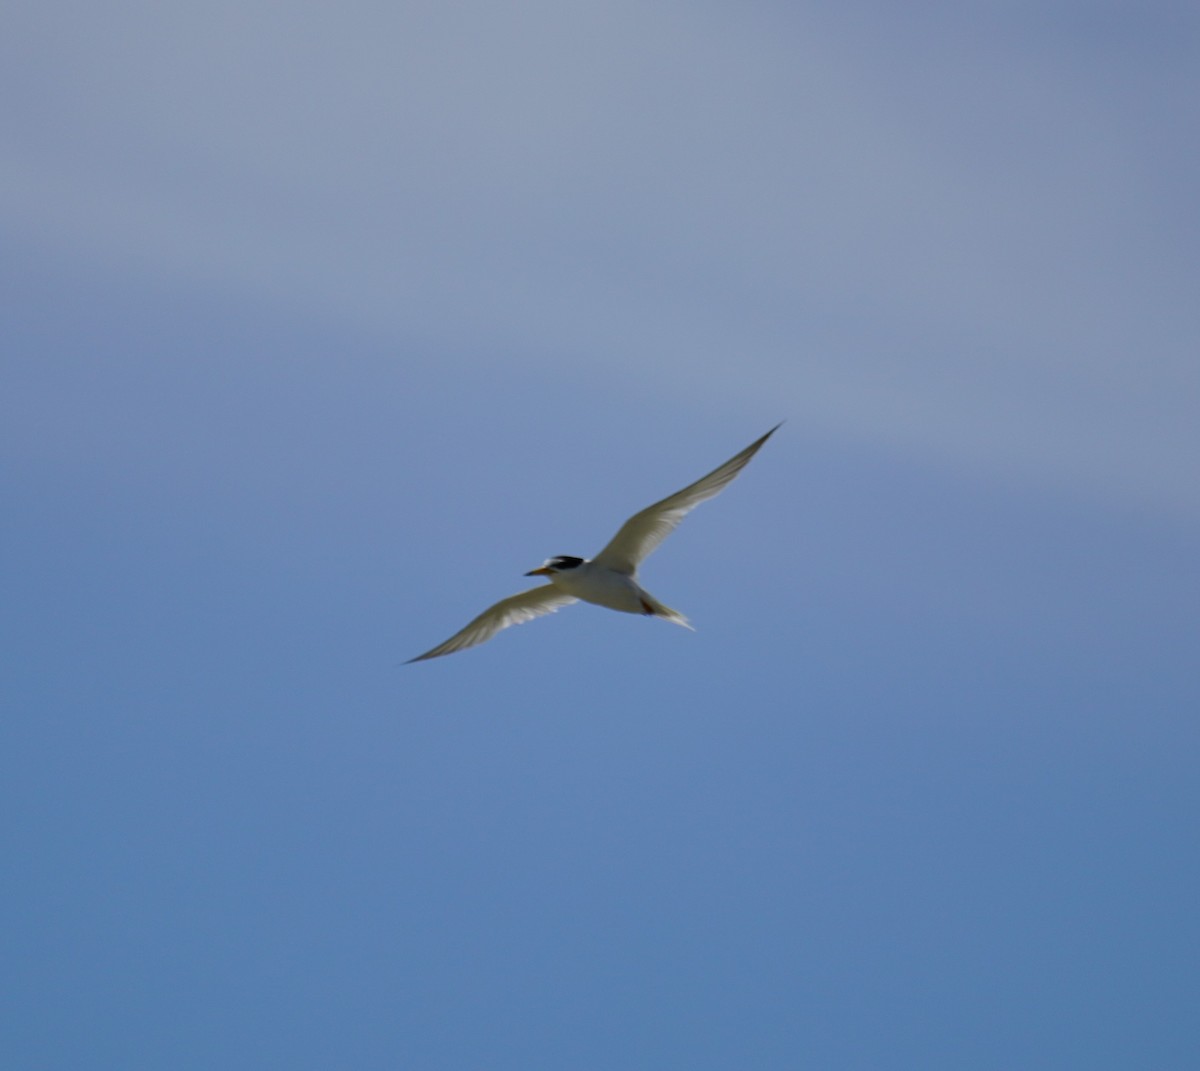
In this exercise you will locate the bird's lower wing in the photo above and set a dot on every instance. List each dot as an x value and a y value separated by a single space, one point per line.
515 610
644 531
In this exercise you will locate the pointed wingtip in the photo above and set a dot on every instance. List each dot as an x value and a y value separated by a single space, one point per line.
759 442
763 438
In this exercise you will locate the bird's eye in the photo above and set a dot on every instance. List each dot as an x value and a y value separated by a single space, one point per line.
564 561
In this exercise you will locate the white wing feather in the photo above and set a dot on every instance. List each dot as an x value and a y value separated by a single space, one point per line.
644 531
515 610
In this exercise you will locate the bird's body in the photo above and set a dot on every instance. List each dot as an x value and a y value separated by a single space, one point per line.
609 579
606 587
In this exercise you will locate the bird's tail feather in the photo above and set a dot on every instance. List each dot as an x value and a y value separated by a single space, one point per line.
659 609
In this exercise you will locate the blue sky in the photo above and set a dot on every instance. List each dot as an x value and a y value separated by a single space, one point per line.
322 326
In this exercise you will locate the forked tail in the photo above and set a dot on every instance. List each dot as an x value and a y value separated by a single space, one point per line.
657 609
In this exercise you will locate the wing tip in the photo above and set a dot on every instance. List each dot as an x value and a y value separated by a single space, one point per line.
420 658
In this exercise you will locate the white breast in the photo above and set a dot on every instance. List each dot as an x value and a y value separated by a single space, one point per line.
593 583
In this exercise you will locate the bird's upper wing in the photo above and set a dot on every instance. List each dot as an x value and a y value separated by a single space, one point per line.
644 531
515 610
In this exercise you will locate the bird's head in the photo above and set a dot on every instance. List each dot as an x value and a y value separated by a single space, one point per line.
561 564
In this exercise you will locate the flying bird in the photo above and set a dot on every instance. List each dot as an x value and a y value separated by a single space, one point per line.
610 578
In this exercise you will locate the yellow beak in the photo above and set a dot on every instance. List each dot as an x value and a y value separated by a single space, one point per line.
541 570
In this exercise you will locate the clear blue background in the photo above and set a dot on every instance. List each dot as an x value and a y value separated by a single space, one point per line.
323 323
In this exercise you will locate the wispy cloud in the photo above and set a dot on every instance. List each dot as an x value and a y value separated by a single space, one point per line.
970 238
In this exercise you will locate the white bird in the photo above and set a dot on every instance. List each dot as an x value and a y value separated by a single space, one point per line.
610 578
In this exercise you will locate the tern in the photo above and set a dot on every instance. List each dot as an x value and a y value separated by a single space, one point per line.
610 578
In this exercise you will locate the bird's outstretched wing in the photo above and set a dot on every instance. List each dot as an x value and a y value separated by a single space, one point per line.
515 610
644 531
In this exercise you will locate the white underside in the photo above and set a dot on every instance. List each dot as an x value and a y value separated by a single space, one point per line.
617 591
